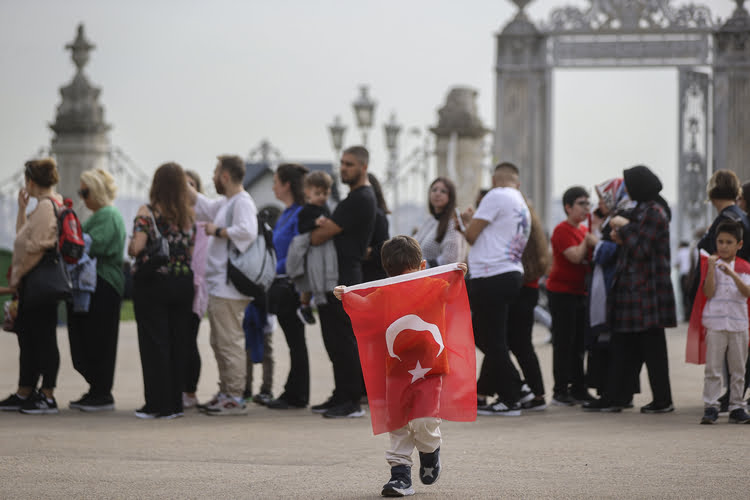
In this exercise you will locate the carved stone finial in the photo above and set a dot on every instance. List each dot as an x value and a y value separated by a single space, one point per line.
80 49
80 111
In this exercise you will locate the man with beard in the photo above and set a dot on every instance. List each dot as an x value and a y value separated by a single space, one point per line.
351 227
226 305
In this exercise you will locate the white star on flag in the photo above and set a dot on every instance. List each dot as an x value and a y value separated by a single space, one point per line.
418 372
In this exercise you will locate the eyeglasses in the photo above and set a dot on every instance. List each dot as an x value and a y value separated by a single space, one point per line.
83 193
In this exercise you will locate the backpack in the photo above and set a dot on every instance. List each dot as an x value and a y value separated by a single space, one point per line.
70 235
252 271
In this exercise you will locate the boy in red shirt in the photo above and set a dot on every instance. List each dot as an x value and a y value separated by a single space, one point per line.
571 244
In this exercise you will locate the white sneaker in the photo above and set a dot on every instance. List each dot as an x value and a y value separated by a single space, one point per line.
227 406
213 402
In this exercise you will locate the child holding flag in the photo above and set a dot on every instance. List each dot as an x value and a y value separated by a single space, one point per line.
416 346
721 307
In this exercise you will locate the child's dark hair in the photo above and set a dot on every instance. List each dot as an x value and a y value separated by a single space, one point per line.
572 194
318 179
400 254
730 227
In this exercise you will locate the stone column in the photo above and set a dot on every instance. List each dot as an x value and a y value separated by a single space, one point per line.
81 140
458 145
732 94
522 108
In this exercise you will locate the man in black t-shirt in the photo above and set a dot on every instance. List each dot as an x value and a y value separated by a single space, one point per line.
351 227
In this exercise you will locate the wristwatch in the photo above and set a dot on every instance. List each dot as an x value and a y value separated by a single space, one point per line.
217 233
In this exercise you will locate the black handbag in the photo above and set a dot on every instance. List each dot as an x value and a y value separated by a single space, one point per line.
47 283
156 252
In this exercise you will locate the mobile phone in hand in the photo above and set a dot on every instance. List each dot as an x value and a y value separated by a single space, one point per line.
461 225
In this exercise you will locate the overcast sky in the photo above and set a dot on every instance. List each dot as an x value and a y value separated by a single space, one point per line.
187 80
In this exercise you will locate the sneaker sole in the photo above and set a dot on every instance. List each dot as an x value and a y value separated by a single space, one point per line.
509 413
46 411
562 403
11 408
355 414
650 412
611 409
144 416
226 413
397 492
171 417
109 407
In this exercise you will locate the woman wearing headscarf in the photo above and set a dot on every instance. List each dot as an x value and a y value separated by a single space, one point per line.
613 199
642 302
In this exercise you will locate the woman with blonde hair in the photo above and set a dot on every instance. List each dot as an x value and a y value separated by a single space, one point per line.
163 290
36 237
93 334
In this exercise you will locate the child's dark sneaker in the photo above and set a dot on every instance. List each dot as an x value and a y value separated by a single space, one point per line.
739 416
710 415
39 404
654 407
12 403
400 483
306 315
526 394
536 404
429 466
263 398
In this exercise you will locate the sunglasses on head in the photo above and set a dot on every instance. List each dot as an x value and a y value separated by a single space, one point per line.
83 193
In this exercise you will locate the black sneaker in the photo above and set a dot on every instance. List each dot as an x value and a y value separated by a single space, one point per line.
739 416
263 398
563 399
526 394
429 466
281 403
581 397
247 395
145 413
325 406
601 405
345 410
14 402
400 483
76 404
501 409
305 314
710 415
657 408
38 404
96 403
536 404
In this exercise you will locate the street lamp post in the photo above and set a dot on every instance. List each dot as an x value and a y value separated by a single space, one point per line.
364 112
337 130
392 130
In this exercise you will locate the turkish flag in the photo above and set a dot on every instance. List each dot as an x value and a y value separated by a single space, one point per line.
416 346
695 349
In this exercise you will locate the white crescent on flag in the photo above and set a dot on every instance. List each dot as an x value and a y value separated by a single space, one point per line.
411 322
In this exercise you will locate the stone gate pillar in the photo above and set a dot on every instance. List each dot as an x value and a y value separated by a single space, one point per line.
81 140
732 94
459 138
522 114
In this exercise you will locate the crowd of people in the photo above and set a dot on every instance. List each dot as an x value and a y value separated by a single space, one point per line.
606 273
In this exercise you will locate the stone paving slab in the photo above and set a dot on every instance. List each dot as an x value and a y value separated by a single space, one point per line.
557 453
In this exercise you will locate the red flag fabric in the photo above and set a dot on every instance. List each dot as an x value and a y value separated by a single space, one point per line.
416 346
695 349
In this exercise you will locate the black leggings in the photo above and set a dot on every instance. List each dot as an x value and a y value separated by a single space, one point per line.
37 342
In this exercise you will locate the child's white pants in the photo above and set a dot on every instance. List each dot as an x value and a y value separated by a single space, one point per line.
420 433
733 345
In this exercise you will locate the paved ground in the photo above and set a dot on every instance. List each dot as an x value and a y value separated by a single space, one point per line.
559 453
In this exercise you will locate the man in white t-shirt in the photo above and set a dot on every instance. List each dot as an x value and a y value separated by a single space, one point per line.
226 305
498 233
